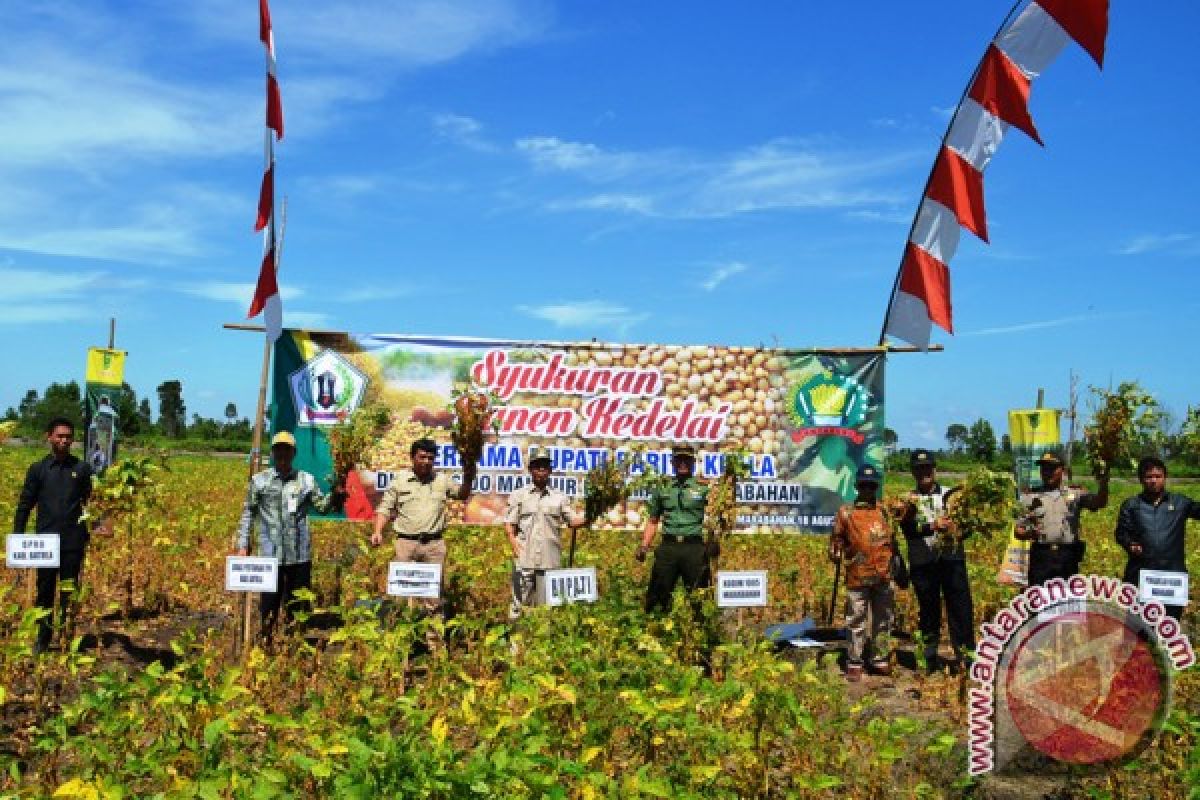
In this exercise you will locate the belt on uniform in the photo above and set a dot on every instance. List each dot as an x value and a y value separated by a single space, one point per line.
419 537
677 539
1054 547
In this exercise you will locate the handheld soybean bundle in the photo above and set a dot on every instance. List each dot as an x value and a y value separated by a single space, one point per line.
1122 421
984 504
720 515
352 437
472 410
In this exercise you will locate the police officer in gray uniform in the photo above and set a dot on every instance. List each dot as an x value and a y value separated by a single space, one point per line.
1050 520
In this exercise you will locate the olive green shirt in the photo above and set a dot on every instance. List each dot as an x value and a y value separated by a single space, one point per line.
418 507
680 506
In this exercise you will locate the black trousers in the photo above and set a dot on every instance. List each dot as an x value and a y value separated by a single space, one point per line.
673 561
70 565
1047 561
938 581
292 578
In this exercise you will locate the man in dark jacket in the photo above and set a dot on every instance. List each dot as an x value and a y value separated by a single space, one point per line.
58 486
1151 526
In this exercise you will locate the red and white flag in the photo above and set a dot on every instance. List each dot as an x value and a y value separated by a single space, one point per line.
997 98
266 292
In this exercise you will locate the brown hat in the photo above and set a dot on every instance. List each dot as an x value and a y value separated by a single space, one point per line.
1050 458
683 450
539 453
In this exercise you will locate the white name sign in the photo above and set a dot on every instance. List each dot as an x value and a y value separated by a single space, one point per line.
1168 588
409 579
745 589
26 550
251 574
576 585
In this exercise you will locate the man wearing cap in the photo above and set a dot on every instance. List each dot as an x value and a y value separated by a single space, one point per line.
937 563
278 501
416 500
862 537
1050 520
679 507
1151 526
536 515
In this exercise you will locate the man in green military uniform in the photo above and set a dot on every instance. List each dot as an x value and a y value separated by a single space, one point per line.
1050 520
679 507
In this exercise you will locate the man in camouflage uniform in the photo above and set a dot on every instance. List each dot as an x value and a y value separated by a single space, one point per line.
278 501
937 564
416 500
679 506
536 515
862 537
1050 520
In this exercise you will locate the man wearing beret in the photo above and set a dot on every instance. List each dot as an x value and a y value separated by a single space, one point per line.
862 537
278 501
679 507
536 515
1051 521
937 563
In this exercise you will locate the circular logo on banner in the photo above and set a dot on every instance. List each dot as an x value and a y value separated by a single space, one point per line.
1087 685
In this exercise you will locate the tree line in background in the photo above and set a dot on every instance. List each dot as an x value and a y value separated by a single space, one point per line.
135 419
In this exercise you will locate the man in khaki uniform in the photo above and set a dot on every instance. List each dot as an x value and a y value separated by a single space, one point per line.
535 518
1051 521
416 500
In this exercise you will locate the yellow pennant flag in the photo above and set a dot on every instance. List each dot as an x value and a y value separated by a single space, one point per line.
105 367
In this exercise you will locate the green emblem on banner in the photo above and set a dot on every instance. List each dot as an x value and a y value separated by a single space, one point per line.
827 401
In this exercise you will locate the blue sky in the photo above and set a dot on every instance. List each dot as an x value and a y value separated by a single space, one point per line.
674 172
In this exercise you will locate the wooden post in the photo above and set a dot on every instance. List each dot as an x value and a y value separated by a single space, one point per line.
1041 401
112 333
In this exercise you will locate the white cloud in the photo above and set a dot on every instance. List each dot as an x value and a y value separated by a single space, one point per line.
40 296
358 32
1156 243
239 294
550 152
1048 323
306 319
722 274
371 294
782 174
586 314
461 130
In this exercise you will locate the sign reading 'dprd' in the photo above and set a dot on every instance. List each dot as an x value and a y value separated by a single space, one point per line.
1168 588
409 579
26 550
745 589
251 574
577 585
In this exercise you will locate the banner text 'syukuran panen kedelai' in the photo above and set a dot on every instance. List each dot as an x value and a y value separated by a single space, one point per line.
806 419
1079 669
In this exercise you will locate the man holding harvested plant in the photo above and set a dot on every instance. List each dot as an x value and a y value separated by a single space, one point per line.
535 518
678 506
1050 520
862 537
278 501
58 486
1151 526
415 504
937 564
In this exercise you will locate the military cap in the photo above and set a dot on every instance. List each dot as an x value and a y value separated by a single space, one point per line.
539 453
921 458
284 437
867 474
683 450
1051 458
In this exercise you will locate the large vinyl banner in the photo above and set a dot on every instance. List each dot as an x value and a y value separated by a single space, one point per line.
806 420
